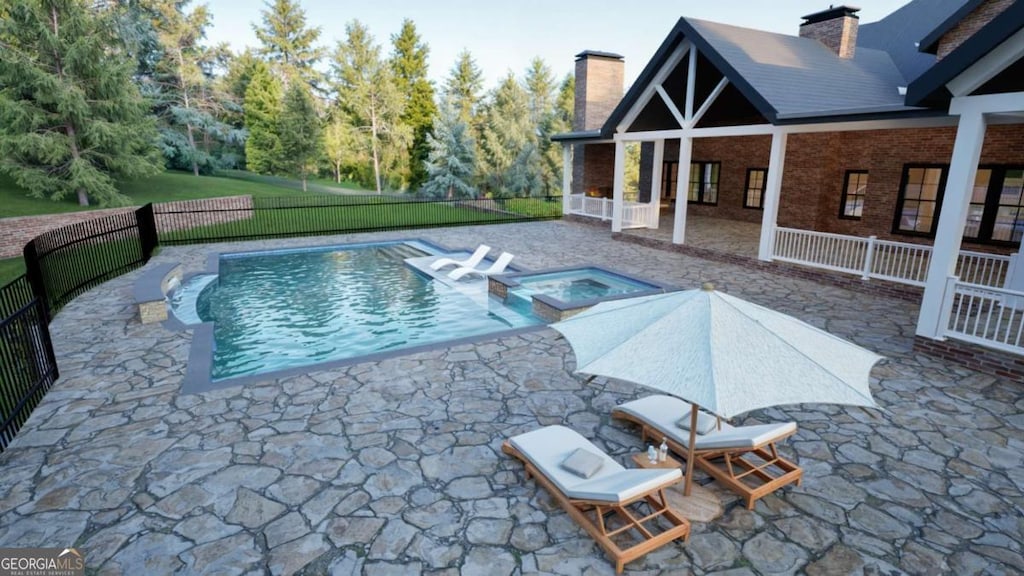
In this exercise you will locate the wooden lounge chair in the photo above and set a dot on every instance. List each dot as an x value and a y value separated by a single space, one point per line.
743 458
601 503
475 258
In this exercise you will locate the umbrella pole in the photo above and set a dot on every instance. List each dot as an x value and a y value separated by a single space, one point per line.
690 456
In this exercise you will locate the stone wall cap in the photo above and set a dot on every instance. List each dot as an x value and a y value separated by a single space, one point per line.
599 54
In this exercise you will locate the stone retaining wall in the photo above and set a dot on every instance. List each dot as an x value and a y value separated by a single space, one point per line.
18 231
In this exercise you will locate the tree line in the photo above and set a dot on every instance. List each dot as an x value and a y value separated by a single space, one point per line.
96 91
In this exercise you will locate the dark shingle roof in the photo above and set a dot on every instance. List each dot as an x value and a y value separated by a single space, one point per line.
898 33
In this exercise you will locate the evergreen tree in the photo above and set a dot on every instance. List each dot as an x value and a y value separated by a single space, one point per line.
540 86
409 63
451 163
71 120
463 87
288 44
558 121
368 95
234 84
508 142
185 100
262 110
299 129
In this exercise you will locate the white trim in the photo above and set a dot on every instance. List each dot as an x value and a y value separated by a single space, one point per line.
709 101
988 66
749 130
691 75
618 185
988 104
566 177
963 167
671 106
892 124
772 194
651 88
657 173
682 190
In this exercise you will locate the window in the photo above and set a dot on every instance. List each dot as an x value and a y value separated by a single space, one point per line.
670 176
995 213
855 187
704 182
917 210
754 197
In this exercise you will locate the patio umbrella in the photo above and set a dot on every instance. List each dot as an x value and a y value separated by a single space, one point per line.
719 352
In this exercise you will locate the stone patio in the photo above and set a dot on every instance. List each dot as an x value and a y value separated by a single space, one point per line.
395 467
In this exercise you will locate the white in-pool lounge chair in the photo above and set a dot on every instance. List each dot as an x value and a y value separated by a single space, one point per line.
600 503
472 261
497 268
744 458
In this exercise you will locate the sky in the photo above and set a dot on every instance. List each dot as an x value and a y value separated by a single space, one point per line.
504 36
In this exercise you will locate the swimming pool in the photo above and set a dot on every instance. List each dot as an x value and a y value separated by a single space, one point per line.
284 309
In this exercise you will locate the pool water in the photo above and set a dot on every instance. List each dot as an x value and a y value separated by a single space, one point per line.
576 285
285 309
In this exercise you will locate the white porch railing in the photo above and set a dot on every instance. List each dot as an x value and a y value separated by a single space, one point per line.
992 317
634 214
882 259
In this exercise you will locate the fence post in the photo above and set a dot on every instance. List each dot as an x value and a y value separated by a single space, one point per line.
947 305
34 275
148 238
869 257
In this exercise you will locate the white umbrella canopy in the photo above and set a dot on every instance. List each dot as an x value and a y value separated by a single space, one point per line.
722 353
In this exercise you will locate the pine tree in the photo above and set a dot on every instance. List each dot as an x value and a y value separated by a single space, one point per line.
262 111
367 94
71 120
508 149
299 129
463 86
540 86
409 63
559 120
451 163
288 44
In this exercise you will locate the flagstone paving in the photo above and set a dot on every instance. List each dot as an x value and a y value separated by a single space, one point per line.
394 467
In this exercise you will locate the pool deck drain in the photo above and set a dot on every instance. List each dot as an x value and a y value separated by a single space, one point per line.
394 466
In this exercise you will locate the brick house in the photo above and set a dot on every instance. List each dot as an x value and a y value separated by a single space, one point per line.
900 140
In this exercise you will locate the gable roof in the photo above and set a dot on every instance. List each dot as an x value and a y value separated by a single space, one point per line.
899 33
788 79
930 87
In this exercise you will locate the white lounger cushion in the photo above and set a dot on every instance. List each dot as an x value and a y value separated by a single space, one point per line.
547 447
664 413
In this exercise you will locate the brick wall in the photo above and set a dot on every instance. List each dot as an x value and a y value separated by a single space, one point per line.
1001 364
816 165
970 25
599 88
16 232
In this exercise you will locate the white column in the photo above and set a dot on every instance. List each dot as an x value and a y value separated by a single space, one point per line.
656 176
772 194
618 185
566 176
682 190
963 167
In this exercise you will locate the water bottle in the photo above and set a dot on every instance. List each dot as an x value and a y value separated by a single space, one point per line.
663 450
652 455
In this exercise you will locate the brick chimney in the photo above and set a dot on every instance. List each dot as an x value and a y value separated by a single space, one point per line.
836 28
599 88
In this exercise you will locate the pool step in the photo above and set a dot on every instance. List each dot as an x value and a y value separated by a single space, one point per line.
402 251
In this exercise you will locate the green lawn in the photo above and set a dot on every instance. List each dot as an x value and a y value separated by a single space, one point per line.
163 188
11 268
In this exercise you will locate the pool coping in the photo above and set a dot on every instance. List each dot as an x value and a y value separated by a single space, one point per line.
199 366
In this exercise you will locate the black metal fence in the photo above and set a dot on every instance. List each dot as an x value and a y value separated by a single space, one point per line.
63 263
27 364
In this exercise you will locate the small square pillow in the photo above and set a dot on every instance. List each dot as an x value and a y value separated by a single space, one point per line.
705 423
583 463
